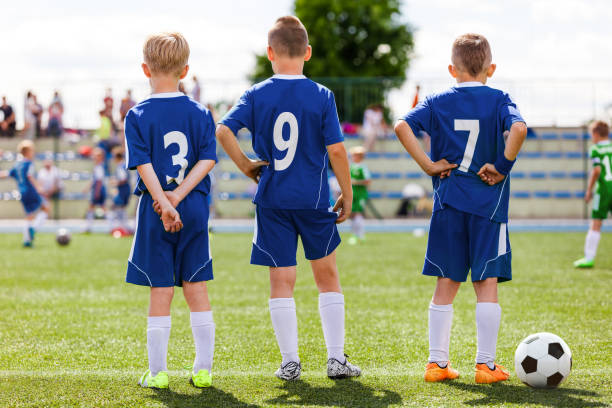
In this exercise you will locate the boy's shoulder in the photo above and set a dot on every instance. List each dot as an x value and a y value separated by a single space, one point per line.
152 104
457 91
280 81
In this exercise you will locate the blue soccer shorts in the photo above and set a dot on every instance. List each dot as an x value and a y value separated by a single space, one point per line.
31 201
460 241
121 199
99 199
161 259
276 234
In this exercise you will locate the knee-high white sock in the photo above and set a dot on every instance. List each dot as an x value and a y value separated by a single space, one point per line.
358 226
158 333
90 218
26 232
39 219
488 317
203 329
284 321
331 309
122 218
590 244
440 322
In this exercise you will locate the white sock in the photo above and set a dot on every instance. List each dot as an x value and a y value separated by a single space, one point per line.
440 321
26 232
203 329
158 333
488 316
284 321
90 218
358 226
122 218
331 309
590 244
39 219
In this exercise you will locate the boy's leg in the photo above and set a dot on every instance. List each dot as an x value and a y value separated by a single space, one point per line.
283 312
158 328
488 317
592 240
202 324
90 217
440 320
331 304
27 230
41 216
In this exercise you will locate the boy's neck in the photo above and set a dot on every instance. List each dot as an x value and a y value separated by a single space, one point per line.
288 66
463 77
163 84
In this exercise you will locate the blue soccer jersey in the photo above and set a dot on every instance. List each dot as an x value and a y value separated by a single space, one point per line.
172 132
467 124
292 119
20 173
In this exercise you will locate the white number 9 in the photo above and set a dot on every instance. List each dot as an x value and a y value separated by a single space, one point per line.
282 144
179 138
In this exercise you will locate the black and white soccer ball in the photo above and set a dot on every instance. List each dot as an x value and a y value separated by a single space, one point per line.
62 237
542 360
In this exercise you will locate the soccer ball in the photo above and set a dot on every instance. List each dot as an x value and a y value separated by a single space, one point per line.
62 237
542 360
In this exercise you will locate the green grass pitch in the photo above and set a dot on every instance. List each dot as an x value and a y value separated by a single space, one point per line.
72 333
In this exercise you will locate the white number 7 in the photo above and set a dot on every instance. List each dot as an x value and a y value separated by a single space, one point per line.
473 126
179 138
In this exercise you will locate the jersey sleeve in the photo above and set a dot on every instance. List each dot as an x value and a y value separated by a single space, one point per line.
208 149
136 149
241 115
30 171
332 132
509 113
595 156
13 172
366 173
419 118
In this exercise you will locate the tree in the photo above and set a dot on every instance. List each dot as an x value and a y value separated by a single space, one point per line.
360 50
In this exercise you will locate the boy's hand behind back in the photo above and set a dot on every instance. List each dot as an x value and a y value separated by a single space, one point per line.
172 197
171 219
345 205
442 168
489 174
253 169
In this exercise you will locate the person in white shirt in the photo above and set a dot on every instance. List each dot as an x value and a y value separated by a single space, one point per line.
373 125
49 180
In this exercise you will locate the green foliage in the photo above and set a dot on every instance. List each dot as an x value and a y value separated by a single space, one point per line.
73 333
359 48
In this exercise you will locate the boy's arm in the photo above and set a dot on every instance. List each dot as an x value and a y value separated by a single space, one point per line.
195 176
169 216
34 182
407 138
340 164
495 173
588 195
227 139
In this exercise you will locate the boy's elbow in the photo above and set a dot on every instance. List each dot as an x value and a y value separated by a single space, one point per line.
336 150
520 128
399 125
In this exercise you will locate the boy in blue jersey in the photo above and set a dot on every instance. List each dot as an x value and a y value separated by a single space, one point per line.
97 188
170 140
122 182
36 210
295 130
468 226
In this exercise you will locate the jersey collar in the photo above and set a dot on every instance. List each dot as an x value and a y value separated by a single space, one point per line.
283 76
469 84
166 95
604 142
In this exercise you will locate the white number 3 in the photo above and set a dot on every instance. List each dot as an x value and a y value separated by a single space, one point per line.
179 138
282 144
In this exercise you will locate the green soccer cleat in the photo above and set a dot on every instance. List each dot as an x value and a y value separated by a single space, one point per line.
202 379
584 263
159 381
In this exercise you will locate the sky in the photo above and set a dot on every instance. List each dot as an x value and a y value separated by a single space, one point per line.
554 57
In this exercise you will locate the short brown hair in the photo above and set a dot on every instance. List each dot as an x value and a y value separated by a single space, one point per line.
600 127
288 36
166 53
24 146
471 53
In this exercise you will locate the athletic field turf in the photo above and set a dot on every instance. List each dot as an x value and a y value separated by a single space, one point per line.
72 333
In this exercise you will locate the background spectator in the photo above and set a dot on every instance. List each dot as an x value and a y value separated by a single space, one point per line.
56 111
126 104
7 119
29 120
182 88
415 101
373 125
37 111
195 91
50 180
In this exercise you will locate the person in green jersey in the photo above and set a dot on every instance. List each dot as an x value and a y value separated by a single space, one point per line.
360 178
601 178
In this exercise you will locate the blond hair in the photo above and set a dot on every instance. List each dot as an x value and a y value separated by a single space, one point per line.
471 53
166 53
601 128
24 146
288 37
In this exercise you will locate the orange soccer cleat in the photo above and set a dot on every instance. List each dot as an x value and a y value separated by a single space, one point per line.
435 373
484 375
